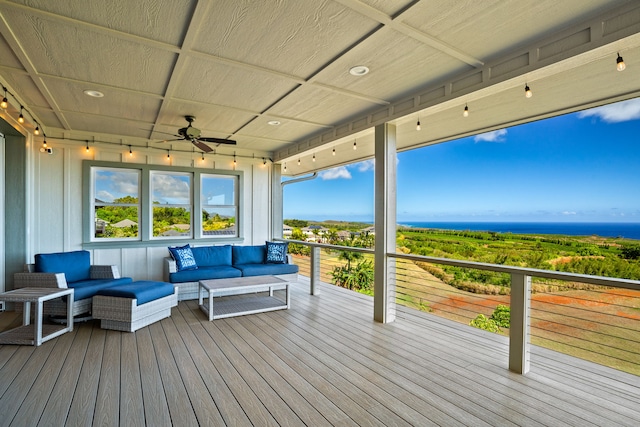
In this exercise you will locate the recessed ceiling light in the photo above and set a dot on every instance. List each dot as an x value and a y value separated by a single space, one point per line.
273 122
94 93
358 70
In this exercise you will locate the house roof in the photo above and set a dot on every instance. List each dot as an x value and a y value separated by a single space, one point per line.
237 66
124 223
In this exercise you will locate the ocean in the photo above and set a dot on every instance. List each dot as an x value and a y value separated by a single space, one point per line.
603 229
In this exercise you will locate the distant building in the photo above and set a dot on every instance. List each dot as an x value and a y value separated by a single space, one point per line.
124 223
287 231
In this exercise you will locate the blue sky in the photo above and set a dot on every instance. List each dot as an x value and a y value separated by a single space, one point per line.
581 167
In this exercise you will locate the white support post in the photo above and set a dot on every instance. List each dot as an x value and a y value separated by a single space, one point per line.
384 301
519 331
276 201
315 271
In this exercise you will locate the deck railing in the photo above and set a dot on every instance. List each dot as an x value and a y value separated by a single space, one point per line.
591 317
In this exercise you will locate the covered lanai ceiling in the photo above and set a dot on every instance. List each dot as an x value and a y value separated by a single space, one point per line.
238 65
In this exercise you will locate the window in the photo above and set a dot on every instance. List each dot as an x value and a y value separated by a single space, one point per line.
116 203
219 205
139 204
171 200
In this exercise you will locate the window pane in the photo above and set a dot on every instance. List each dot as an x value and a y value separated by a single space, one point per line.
218 190
116 203
219 222
171 188
116 222
171 222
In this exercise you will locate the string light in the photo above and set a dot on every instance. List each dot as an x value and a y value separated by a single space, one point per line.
5 102
168 155
130 152
235 162
285 167
298 162
418 127
87 147
21 117
355 147
203 157
264 161
620 66
527 91
333 153
465 113
314 157
44 142
37 130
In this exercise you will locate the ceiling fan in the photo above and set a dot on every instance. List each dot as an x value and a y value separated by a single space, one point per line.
192 134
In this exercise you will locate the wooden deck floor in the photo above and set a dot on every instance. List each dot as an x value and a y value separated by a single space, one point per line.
323 362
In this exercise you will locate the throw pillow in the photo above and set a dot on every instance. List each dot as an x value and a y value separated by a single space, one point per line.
277 252
183 257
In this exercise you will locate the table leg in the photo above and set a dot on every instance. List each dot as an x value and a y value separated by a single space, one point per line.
286 291
38 323
210 306
70 313
26 314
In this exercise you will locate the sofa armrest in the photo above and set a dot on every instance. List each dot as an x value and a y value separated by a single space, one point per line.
104 272
289 259
169 266
39 280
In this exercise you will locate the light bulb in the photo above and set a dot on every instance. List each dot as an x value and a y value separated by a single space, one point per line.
264 161
44 143
20 117
620 63
298 162
314 158
87 148
418 127
130 152
465 113
527 91
5 103
285 167
37 130
333 153
355 147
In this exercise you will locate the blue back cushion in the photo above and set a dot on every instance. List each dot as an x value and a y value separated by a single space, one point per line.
249 254
75 265
212 256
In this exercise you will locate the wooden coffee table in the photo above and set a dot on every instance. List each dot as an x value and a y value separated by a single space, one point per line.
242 295
37 333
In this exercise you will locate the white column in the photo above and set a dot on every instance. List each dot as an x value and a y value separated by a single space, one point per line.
519 331
276 201
384 301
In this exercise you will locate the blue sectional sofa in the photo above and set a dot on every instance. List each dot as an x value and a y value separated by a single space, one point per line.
221 262
69 270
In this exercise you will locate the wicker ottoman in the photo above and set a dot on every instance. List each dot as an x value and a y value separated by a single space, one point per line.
135 305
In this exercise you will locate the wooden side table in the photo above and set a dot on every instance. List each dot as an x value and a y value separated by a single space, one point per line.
37 333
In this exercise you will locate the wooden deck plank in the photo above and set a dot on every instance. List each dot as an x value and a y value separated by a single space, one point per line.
107 410
243 393
84 398
156 409
178 402
323 361
131 399
57 409
34 403
203 404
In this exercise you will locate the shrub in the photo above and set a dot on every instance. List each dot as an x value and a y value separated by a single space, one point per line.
502 316
481 322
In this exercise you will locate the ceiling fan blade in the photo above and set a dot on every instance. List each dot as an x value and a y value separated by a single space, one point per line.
218 140
201 145
170 140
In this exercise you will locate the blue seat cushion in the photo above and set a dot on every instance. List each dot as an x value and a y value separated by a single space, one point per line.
143 291
249 254
88 288
204 273
212 256
75 265
266 269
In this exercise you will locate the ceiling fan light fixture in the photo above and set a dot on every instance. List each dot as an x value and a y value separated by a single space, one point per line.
273 122
359 70
620 65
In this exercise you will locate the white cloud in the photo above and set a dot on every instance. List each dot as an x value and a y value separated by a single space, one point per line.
494 136
170 189
340 172
367 165
105 196
614 113
568 213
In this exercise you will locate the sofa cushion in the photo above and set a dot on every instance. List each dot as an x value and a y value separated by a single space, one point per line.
75 265
249 254
143 291
204 273
87 288
266 269
212 256
183 257
277 252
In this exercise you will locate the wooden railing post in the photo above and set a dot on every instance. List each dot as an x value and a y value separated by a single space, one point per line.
519 331
315 270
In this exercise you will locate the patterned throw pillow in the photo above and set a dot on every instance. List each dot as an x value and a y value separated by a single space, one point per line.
277 252
183 257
